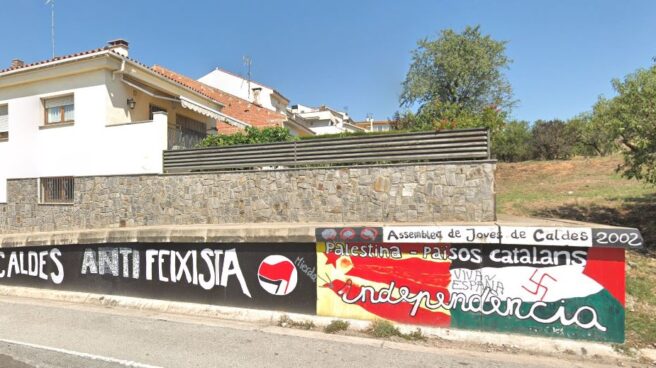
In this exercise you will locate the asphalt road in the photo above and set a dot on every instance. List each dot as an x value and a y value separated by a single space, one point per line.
52 334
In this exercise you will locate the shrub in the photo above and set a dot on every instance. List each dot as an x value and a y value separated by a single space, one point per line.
249 136
285 321
336 326
382 328
513 142
552 140
415 335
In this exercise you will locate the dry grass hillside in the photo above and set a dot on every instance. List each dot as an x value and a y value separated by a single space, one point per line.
589 189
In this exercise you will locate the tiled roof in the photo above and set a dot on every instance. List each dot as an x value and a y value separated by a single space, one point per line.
57 58
234 106
101 49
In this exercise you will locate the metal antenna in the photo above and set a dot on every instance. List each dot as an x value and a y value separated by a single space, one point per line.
248 62
52 24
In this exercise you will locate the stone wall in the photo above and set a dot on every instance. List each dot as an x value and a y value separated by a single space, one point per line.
412 193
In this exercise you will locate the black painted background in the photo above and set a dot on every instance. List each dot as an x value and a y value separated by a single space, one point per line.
302 299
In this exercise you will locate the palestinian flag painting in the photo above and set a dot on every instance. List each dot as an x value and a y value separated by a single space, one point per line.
572 292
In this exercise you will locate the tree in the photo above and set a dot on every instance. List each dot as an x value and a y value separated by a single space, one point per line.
631 117
406 120
552 140
437 116
462 72
592 136
513 142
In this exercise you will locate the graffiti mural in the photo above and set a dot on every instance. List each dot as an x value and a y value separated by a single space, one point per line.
551 281
560 282
264 276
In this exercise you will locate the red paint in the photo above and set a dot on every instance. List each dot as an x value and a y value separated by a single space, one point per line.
276 272
395 312
539 284
331 259
374 233
606 266
347 234
415 273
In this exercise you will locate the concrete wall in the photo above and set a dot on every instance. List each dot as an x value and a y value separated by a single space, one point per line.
419 193
543 277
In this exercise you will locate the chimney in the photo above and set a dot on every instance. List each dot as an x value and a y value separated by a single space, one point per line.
17 63
120 46
256 95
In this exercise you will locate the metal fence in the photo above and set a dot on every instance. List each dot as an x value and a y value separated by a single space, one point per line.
466 144
184 138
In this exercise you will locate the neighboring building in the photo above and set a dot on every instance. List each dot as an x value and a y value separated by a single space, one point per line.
245 89
93 113
243 111
301 120
323 120
375 125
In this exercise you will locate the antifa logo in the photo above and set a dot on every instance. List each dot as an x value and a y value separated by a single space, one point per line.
277 275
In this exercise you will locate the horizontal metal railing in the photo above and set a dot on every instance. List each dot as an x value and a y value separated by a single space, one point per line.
466 144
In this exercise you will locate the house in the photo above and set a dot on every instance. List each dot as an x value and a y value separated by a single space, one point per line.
372 125
323 120
94 113
249 90
245 112
301 120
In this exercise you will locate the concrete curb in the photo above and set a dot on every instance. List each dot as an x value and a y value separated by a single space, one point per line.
528 343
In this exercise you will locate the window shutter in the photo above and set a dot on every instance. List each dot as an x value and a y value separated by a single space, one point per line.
4 119
59 101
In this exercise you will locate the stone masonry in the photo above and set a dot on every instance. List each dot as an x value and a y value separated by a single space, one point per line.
401 194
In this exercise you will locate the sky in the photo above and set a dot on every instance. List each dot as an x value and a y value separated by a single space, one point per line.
353 54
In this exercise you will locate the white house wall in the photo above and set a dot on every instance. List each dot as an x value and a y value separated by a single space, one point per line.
119 113
238 86
88 147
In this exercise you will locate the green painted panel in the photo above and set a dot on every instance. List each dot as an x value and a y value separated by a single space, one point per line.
609 312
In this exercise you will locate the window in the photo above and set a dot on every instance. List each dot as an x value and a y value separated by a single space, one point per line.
152 109
59 110
59 190
4 123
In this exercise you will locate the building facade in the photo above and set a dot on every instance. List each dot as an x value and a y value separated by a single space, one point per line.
249 90
372 125
93 113
323 119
